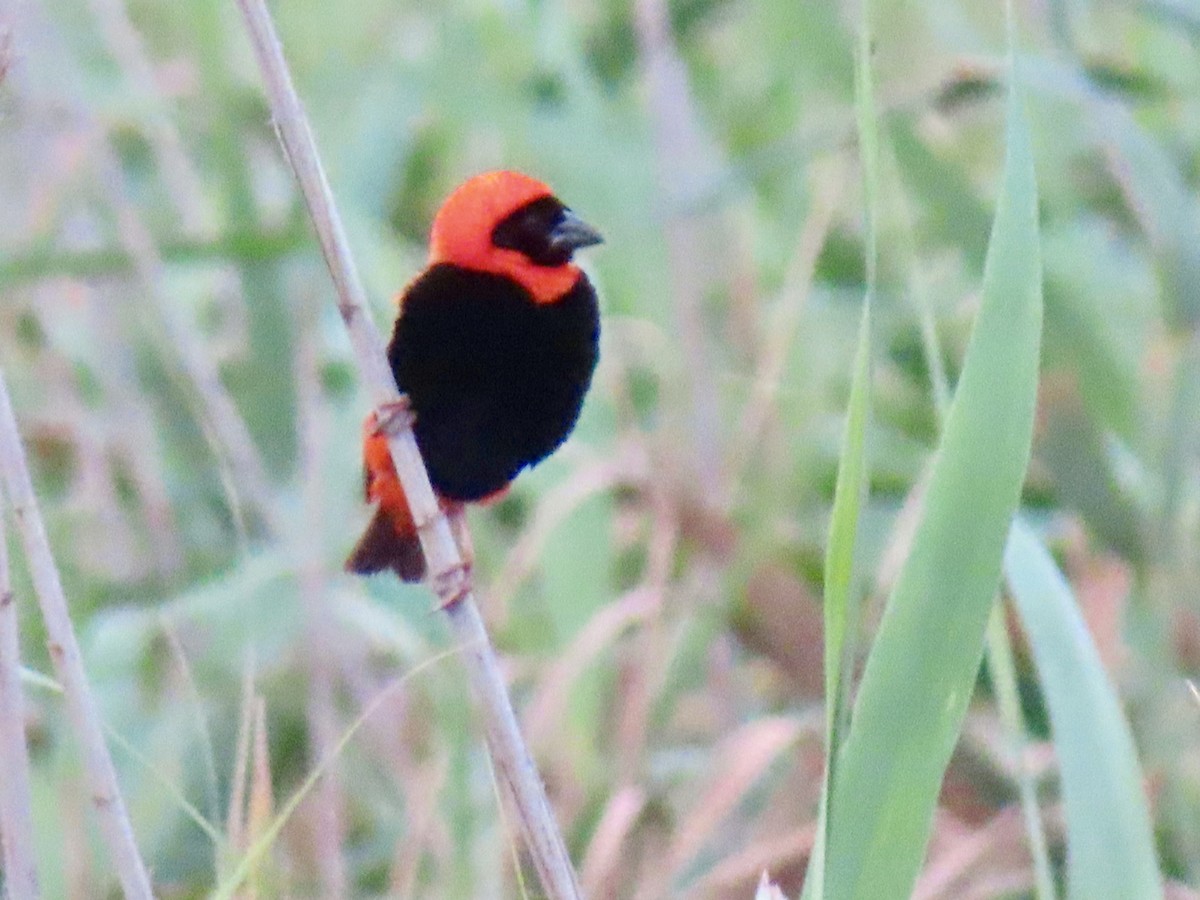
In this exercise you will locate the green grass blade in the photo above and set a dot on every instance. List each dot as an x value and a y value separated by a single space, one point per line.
1110 844
998 653
45 682
998 646
921 671
841 600
255 854
35 678
849 496
868 145
841 606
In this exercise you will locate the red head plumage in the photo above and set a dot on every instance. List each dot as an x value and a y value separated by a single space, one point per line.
463 233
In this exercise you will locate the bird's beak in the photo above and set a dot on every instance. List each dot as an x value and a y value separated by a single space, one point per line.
571 232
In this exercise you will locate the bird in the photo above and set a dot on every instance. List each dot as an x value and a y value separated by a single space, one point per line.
493 350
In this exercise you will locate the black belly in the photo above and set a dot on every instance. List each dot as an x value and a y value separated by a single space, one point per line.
496 381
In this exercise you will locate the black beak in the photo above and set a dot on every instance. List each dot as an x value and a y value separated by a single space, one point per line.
571 232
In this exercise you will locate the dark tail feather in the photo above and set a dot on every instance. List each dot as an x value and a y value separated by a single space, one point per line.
382 547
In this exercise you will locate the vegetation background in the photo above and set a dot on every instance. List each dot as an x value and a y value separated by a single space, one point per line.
187 398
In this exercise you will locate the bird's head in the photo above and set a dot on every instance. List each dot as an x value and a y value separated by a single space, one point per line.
510 224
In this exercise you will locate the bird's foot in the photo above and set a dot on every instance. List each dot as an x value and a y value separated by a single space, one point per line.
457 515
456 583
390 418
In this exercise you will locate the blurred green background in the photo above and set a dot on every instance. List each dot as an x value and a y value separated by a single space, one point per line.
189 404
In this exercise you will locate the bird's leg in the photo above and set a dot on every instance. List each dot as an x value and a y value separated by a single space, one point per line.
455 583
456 514
389 418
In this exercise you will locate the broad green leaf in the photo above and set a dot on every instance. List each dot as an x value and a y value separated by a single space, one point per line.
921 670
1110 843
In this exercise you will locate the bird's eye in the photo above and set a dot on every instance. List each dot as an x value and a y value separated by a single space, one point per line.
530 230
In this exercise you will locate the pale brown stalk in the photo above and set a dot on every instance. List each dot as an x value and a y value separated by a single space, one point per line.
181 178
616 823
221 413
769 853
68 661
321 632
450 578
421 832
261 806
687 170
132 427
742 759
779 336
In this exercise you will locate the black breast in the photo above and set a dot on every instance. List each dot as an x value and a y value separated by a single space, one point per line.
496 381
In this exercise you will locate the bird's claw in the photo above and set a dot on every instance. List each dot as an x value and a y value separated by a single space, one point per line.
452 585
392 417
455 583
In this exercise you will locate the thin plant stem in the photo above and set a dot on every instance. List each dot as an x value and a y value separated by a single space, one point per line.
220 413
779 339
328 802
236 245
16 798
101 775
1004 681
249 861
182 180
450 577
686 170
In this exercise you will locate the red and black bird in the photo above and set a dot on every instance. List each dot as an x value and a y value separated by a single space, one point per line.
494 346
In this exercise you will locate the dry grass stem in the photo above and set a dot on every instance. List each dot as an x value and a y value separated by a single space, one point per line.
235 820
742 759
134 431
602 861
194 699
16 798
961 860
221 414
261 806
566 497
550 705
422 822
451 579
687 171
88 144
68 661
326 805
181 178
735 873
780 335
